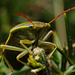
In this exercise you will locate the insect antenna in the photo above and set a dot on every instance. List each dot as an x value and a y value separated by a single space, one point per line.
60 15
25 17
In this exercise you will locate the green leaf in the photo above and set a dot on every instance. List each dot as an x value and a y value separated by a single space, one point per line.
20 72
70 70
57 55
69 40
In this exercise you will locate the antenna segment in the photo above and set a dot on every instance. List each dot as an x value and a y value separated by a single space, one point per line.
60 15
27 18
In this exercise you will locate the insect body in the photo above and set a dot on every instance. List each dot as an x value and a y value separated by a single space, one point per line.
23 32
23 38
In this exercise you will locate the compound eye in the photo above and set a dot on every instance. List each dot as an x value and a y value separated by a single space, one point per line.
30 26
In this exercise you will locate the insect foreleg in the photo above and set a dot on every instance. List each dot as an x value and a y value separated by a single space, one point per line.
23 42
49 44
20 56
11 48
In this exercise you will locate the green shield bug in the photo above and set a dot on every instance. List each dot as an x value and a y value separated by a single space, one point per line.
23 38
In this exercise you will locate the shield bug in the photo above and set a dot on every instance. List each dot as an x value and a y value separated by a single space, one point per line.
23 38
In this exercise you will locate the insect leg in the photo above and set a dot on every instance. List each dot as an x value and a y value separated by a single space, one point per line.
20 56
9 65
12 48
47 35
49 44
23 42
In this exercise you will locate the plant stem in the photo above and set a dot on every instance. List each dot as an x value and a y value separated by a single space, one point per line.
69 60
56 70
64 61
69 41
44 61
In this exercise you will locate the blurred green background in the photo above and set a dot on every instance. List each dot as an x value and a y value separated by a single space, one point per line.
36 10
